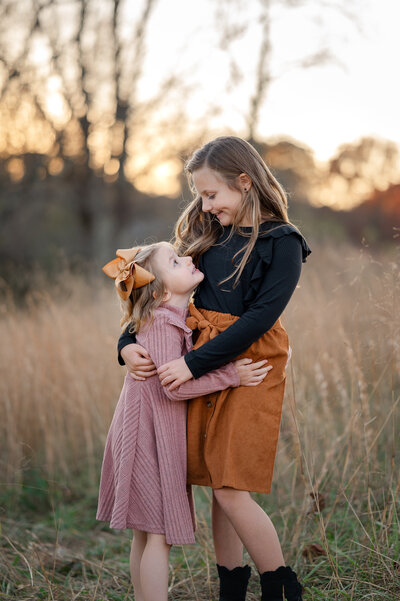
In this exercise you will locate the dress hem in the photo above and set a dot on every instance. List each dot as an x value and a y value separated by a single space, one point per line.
149 529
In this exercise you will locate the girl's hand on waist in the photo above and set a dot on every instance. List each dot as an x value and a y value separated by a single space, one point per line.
174 372
138 362
251 374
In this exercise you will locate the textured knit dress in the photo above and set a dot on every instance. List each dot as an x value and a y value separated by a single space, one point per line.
143 478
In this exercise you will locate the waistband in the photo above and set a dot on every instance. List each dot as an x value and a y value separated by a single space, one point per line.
208 323
204 319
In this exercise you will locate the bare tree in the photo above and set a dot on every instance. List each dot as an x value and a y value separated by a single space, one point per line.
93 53
235 17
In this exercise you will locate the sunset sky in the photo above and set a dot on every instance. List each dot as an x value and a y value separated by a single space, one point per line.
352 93
355 94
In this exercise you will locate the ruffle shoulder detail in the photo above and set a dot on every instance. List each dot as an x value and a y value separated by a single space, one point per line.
265 242
264 249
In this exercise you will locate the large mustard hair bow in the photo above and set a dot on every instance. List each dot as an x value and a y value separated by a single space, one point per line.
126 273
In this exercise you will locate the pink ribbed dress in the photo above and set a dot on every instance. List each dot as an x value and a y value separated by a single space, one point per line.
143 477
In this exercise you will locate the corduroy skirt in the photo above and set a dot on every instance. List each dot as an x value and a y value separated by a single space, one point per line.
233 434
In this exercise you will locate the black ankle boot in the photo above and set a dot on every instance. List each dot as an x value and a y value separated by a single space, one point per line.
233 583
280 585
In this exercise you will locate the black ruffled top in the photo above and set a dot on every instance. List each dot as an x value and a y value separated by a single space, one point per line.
265 287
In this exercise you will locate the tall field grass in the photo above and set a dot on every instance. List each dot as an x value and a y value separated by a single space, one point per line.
335 497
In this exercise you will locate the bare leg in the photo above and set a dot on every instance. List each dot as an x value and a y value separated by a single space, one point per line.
228 546
138 544
253 526
154 568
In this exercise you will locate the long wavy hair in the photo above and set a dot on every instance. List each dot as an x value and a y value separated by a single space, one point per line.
229 156
139 308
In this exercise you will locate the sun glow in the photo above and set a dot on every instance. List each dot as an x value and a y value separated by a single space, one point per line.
57 109
55 104
322 106
161 180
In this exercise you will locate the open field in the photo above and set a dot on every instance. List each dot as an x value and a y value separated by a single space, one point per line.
335 498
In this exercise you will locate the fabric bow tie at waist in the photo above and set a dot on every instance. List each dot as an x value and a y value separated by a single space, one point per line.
127 274
208 329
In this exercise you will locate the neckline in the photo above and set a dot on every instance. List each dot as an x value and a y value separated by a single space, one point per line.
180 311
261 226
251 227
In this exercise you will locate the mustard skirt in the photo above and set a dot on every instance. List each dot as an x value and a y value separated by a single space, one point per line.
233 434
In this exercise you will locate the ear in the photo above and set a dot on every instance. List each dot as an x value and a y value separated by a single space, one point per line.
244 182
165 297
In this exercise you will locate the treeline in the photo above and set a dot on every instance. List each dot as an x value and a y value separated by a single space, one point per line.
52 220
81 142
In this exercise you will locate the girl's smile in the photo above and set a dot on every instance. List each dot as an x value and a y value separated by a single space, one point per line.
216 196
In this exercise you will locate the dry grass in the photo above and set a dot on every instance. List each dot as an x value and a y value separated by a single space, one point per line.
59 382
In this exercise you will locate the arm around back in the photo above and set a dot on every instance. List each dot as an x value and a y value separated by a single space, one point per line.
125 339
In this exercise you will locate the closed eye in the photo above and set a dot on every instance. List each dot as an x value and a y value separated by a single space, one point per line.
209 196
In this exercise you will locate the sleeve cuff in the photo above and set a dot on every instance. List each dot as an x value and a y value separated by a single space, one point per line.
190 360
235 375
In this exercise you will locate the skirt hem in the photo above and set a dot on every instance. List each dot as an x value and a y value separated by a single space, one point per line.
235 486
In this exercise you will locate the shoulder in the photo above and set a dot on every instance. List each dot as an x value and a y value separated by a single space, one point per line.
159 327
284 236
166 326
167 317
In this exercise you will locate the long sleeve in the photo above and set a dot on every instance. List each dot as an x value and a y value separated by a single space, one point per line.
279 282
164 342
125 339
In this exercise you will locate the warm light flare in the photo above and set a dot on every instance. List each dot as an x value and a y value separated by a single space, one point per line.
111 167
57 109
56 165
162 180
16 169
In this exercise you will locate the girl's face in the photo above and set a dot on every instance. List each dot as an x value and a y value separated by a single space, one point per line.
179 275
216 196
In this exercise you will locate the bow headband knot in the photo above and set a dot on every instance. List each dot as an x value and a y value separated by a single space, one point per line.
127 274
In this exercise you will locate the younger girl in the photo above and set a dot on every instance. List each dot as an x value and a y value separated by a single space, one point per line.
143 479
238 232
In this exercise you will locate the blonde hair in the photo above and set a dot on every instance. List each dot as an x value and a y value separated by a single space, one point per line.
229 156
140 306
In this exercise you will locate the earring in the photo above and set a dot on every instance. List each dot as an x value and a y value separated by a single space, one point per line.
245 189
